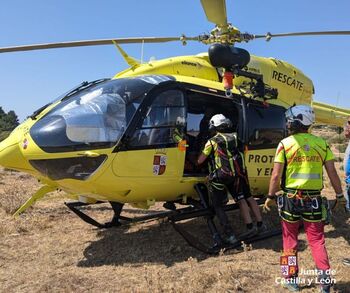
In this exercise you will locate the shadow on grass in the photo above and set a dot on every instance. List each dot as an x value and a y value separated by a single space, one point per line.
342 287
157 242
339 222
339 287
153 242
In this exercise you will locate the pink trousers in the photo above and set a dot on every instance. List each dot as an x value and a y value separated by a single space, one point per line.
315 237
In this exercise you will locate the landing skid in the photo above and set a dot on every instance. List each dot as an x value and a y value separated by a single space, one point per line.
119 220
197 209
192 241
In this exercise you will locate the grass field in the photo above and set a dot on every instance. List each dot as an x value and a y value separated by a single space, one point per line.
48 249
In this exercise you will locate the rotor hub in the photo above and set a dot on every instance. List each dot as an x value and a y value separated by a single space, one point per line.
225 34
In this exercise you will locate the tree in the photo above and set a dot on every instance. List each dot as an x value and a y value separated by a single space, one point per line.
8 122
2 113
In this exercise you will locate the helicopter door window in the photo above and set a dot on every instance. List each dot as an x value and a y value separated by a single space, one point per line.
267 136
165 116
266 126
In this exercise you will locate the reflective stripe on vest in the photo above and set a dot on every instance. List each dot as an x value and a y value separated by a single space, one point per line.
305 176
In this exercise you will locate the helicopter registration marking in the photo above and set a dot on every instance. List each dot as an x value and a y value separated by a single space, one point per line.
159 164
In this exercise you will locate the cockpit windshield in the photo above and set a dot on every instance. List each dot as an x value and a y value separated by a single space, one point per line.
97 116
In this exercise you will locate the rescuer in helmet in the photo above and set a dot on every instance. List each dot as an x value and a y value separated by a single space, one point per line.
298 171
228 172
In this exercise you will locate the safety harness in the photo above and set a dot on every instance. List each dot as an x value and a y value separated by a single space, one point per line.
296 203
309 205
226 164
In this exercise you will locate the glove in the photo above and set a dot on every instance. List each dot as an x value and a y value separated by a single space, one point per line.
270 201
340 201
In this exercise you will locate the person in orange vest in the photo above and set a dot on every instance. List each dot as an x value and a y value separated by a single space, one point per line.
298 171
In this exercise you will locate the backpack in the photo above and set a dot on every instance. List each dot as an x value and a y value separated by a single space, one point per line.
229 158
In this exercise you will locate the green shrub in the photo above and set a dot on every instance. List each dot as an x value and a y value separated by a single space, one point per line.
337 138
341 148
4 134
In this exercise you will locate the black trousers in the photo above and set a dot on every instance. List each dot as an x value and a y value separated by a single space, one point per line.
239 190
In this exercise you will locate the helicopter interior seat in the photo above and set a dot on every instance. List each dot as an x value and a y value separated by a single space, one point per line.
87 130
191 157
142 139
158 136
168 119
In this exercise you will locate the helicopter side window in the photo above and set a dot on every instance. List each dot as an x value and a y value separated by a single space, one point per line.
266 126
165 116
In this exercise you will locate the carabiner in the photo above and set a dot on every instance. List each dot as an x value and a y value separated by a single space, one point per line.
315 204
280 202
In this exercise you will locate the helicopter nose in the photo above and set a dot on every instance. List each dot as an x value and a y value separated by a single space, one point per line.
11 156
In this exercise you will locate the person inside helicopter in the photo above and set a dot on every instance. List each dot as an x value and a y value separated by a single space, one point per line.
203 135
166 115
200 111
114 124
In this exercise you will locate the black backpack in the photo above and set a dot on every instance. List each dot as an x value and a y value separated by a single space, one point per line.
231 159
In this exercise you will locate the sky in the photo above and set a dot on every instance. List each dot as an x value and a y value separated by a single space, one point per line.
28 80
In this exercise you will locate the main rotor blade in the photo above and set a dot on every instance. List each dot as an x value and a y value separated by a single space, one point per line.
268 36
215 10
96 43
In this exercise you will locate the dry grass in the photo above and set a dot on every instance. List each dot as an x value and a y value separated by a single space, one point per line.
48 249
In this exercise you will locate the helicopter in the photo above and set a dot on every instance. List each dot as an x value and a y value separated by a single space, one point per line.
113 139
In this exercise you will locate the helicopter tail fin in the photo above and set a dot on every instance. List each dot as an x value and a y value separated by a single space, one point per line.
131 61
329 114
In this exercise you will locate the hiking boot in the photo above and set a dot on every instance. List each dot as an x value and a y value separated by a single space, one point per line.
169 206
261 229
346 261
292 287
217 240
324 279
325 289
249 233
232 240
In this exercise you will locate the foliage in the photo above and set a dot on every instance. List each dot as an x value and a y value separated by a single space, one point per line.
8 122
4 134
337 138
342 148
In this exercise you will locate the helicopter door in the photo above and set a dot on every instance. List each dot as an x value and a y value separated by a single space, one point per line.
200 108
266 128
152 149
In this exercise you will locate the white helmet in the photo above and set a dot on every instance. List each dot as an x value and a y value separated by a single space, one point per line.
303 114
219 121
180 121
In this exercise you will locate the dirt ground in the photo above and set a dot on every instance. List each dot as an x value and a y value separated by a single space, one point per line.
49 249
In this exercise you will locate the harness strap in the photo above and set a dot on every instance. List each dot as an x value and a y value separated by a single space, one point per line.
301 194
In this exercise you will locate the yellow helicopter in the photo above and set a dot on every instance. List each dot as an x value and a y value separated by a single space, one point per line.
132 138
